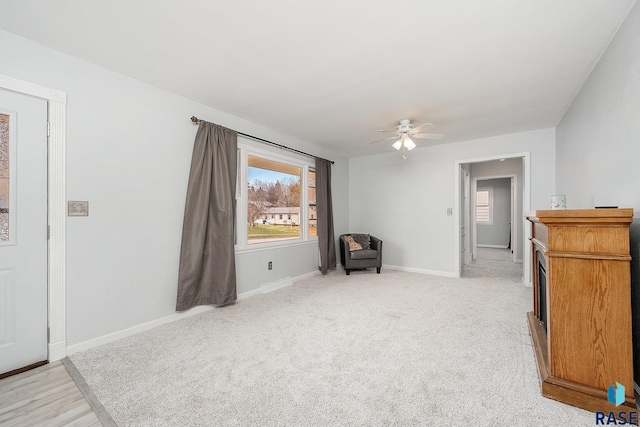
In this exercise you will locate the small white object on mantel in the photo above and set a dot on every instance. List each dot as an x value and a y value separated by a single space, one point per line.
559 202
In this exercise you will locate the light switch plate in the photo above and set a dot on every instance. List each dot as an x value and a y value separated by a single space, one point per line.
78 208
449 211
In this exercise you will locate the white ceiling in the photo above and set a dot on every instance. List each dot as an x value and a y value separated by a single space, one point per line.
331 72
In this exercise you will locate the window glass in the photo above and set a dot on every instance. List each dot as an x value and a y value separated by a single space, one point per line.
483 205
313 214
4 178
273 189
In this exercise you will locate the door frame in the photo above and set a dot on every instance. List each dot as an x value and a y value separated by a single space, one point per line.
512 213
464 215
526 206
56 195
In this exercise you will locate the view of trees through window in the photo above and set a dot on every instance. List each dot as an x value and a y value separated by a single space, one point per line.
273 200
313 213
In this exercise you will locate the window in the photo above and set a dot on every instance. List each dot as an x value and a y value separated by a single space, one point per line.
484 206
313 219
276 204
4 178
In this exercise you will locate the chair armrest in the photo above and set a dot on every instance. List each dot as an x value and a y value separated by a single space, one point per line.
375 243
344 250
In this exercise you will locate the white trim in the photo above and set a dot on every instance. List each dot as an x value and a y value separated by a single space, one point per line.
256 248
38 91
57 350
275 285
58 235
57 111
133 330
127 332
249 294
482 245
306 276
421 271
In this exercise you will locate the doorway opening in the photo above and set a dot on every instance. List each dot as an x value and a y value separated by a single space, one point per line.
492 197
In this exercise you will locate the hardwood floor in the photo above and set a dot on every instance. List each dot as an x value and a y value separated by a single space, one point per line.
44 396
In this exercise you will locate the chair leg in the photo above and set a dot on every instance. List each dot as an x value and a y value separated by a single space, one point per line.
348 271
378 270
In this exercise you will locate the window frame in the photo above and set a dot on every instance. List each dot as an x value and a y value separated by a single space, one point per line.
242 243
489 190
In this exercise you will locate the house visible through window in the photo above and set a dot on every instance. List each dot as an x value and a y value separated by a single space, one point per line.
277 203
484 206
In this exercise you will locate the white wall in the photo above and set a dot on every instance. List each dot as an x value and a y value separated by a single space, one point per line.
497 233
598 138
598 147
128 153
404 202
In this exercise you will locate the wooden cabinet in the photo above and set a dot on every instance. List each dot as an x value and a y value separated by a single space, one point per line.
581 318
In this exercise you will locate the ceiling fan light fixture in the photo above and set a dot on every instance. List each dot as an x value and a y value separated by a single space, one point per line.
409 144
397 145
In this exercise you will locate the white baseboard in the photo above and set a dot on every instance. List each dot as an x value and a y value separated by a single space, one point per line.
420 270
274 286
482 245
127 332
249 294
306 276
57 349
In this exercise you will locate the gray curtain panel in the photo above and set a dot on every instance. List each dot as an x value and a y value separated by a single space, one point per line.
207 258
326 241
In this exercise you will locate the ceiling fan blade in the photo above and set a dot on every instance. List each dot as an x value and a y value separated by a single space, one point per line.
384 139
386 131
428 135
424 125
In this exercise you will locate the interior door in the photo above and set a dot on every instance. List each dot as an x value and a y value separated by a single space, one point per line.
23 231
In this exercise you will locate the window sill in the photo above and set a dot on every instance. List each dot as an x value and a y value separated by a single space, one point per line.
266 247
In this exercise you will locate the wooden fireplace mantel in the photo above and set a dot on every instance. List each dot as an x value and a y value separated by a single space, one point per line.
581 318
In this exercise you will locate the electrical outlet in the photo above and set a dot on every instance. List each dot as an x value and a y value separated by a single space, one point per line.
270 265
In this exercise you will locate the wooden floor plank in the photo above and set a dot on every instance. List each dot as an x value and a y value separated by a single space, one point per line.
34 389
35 400
45 396
32 376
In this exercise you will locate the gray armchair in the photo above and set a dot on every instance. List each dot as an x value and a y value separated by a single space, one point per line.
363 258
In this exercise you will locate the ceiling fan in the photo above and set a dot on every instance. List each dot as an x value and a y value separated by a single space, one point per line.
404 133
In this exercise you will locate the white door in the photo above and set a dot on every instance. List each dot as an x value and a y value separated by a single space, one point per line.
23 231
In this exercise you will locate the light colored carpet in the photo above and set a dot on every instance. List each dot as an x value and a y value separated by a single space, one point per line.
395 349
495 254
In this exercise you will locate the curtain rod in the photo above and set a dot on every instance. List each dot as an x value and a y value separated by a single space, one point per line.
196 120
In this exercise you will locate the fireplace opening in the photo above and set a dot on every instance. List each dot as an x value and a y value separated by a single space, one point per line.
542 289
